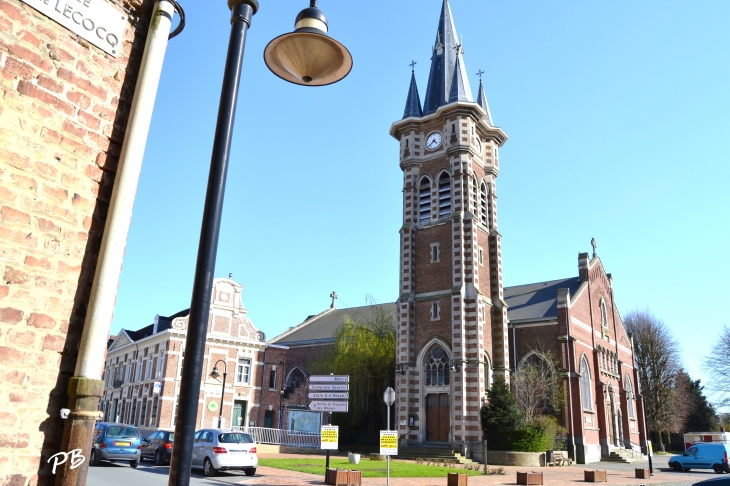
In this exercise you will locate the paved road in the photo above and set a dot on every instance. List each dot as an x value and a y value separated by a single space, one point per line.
618 474
110 474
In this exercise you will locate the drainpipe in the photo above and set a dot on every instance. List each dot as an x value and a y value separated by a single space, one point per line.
85 388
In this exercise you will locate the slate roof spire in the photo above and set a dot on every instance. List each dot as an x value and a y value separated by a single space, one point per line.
446 52
413 103
482 101
459 84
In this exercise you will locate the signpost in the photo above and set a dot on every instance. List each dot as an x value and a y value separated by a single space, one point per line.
326 406
328 393
388 439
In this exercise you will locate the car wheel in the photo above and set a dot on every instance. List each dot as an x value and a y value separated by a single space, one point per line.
159 461
208 469
94 460
250 471
718 469
134 464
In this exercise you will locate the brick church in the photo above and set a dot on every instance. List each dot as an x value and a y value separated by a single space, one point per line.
458 328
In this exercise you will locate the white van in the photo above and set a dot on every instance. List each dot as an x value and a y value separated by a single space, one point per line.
703 456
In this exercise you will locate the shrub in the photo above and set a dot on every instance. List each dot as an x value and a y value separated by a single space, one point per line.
529 439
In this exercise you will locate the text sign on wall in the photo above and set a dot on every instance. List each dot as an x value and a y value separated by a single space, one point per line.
95 20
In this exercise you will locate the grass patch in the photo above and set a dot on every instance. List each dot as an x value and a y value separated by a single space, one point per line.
370 469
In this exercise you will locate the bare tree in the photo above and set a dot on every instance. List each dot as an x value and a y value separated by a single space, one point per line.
658 363
537 387
717 366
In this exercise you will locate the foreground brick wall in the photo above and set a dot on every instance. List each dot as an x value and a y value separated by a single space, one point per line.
62 118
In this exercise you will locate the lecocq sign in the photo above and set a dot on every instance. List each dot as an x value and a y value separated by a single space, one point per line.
94 20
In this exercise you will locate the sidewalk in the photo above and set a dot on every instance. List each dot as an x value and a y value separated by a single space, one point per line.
618 475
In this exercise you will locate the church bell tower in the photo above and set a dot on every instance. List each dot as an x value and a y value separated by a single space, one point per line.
452 320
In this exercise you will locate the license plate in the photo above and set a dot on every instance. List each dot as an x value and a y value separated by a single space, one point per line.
238 452
122 444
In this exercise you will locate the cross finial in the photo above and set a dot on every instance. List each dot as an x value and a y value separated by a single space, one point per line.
594 245
334 298
459 49
413 65
480 75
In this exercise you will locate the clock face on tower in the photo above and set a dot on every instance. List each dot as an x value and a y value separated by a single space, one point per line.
479 145
433 141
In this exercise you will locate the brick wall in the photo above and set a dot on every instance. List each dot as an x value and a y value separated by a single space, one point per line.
62 118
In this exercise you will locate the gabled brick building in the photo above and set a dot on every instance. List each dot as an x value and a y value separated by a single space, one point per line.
576 321
144 367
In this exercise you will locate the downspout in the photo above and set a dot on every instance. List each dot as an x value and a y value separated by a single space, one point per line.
261 400
85 388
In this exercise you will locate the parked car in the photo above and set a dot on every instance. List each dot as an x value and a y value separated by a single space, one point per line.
224 450
703 456
116 442
158 446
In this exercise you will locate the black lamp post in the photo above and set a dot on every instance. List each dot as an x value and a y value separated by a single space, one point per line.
306 56
215 375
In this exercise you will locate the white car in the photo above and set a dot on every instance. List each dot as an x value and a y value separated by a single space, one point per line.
224 450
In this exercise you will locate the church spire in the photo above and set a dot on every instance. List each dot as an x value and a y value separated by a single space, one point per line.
446 52
413 103
459 83
482 101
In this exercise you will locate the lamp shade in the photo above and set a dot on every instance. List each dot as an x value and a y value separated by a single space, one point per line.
215 374
308 56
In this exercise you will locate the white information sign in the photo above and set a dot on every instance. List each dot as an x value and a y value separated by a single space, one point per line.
322 406
328 387
157 388
330 437
328 396
328 378
388 443
97 21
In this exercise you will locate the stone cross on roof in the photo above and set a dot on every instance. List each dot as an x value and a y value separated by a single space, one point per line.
334 298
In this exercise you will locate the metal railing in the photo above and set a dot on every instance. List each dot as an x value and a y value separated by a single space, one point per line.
292 438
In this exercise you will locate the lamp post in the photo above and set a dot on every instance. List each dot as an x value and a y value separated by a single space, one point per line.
306 56
215 375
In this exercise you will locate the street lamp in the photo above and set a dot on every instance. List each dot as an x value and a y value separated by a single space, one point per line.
299 55
215 375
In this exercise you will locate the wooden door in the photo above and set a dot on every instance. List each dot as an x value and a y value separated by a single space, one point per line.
438 417
444 417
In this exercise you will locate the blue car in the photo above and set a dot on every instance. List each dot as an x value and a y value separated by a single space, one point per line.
703 456
116 442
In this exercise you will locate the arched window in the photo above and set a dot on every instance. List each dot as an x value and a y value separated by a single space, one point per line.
436 367
474 197
629 396
488 372
424 200
485 204
296 378
585 383
444 195
604 314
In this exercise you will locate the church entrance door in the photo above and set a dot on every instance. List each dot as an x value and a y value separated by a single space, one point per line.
438 417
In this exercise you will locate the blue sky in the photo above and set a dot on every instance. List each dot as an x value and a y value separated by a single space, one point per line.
616 114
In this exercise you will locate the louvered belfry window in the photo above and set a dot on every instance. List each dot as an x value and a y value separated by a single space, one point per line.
444 195
485 204
424 200
474 205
